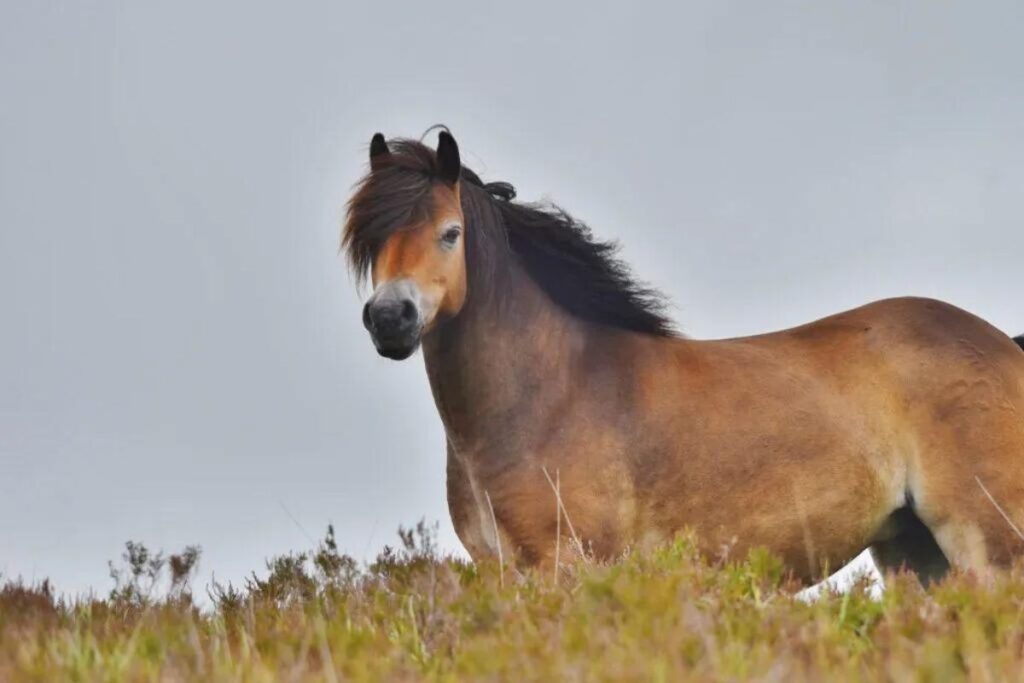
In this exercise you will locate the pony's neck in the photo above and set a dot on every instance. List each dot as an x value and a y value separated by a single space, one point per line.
498 366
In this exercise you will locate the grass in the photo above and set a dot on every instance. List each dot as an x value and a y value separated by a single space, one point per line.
671 615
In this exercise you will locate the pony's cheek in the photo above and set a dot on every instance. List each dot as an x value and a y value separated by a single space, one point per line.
453 295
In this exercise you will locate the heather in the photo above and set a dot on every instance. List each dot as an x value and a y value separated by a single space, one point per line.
415 614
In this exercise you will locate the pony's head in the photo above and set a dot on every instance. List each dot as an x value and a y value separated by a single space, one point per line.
435 239
406 227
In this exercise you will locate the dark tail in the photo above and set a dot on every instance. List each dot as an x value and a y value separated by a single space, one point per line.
1020 341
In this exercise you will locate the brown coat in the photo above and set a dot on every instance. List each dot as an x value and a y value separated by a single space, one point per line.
807 441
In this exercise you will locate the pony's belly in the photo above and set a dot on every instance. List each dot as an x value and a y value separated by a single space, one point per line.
812 507
813 530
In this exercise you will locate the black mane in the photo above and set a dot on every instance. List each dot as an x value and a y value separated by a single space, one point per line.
579 273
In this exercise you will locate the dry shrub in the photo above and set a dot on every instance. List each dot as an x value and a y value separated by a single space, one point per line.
414 614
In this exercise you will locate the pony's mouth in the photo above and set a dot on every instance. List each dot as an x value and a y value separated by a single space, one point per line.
397 349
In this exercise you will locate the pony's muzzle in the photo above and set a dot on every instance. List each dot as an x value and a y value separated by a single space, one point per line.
392 317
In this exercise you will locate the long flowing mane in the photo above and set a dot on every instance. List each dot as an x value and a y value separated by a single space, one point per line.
578 272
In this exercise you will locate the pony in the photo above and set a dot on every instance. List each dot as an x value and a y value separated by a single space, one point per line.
581 423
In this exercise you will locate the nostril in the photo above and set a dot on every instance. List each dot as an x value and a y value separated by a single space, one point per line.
367 322
408 311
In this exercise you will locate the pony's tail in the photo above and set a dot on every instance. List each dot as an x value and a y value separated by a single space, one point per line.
1020 341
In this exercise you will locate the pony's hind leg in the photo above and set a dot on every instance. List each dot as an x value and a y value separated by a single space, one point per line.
911 548
966 480
975 517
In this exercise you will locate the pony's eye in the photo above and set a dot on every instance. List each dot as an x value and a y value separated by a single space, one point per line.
451 236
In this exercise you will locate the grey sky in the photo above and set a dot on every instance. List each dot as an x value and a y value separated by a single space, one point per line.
181 355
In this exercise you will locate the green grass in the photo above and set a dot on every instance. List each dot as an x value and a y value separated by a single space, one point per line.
671 615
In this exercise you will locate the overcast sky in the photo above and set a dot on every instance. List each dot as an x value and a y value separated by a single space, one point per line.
181 354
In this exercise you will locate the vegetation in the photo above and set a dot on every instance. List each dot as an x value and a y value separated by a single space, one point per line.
671 615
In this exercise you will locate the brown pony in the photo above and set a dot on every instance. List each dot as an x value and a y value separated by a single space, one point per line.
897 426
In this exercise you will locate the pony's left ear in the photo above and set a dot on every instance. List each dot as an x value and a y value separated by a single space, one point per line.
448 158
378 150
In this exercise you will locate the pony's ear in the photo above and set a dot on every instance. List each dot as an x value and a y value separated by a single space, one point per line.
378 151
448 158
